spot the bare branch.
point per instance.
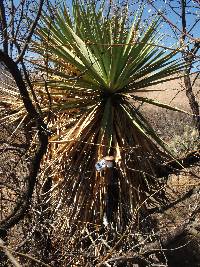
(171, 23)
(175, 166)
(9, 255)
(3, 25)
(34, 24)
(23, 202)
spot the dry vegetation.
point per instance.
(150, 245)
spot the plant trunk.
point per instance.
(192, 100)
(189, 57)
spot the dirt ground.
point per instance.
(170, 124)
(173, 93)
(174, 126)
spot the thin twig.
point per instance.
(3, 25)
(34, 24)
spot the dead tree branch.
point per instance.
(3, 27)
(189, 56)
(34, 24)
(24, 201)
(175, 166)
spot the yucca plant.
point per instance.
(97, 62)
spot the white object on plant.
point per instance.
(105, 162)
(100, 165)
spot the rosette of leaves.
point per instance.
(97, 62)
